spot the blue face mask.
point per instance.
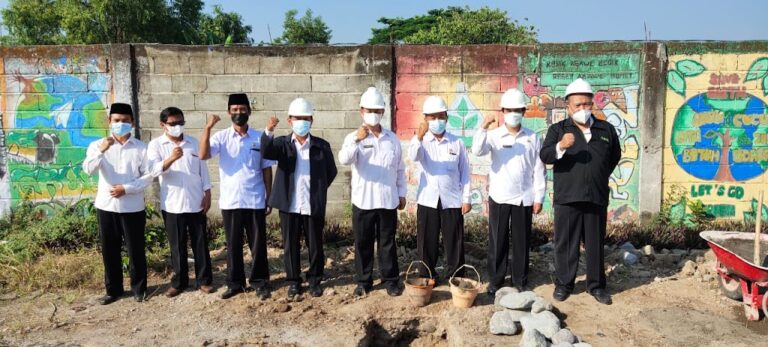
(120, 129)
(301, 127)
(437, 126)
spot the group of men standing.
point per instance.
(582, 149)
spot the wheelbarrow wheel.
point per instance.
(731, 288)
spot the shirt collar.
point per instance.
(429, 136)
(522, 132)
(295, 141)
(234, 133)
(165, 139)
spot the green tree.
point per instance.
(224, 27)
(456, 26)
(35, 22)
(395, 30)
(305, 30)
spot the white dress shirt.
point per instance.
(300, 202)
(124, 164)
(587, 136)
(378, 172)
(182, 186)
(240, 169)
(444, 170)
(517, 175)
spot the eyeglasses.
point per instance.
(173, 124)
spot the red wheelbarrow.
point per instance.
(740, 278)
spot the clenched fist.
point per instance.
(423, 127)
(567, 141)
(488, 121)
(212, 120)
(272, 123)
(176, 153)
(108, 142)
(362, 133)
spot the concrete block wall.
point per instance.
(199, 79)
(689, 114)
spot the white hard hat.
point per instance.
(579, 86)
(513, 98)
(300, 107)
(434, 104)
(372, 99)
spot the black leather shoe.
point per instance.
(561, 293)
(393, 289)
(602, 296)
(293, 290)
(263, 292)
(315, 290)
(231, 292)
(491, 290)
(108, 299)
(360, 291)
(140, 297)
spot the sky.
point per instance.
(556, 20)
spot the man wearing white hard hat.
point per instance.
(305, 170)
(245, 178)
(516, 187)
(378, 190)
(584, 151)
(443, 195)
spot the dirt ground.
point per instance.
(653, 306)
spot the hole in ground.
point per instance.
(395, 333)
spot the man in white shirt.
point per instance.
(121, 163)
(443, 195)
(517, 185)
(305, 170)
(245, 179)
(185, 197)
(378, 190)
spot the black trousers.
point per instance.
(573, 223)
(379, 226)
(114, 228)
(293, 226)
(180, 228)
(507, 222)
(431, 223)
(253, 224)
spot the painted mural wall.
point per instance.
(53, 105)
(473, 80)
(716, 123)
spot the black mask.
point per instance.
(240, 119)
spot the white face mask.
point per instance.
(371, 118)
(513, 119)
(175, 131)
(581, 116)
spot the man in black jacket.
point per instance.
(305, 169)
(584, 151)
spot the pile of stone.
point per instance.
(532, 315)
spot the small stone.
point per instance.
(545, 322)
(564, 336)
(533, 338)
(708, 278)
(516, 315)
(518, 301)
(547, 247)
(680, 252)
(689, 269)
(541, 304)
(502, 324)
(501, 293)
(648, 250)
(427, 328)
(628, 258)
(642, 274)
(329, 292)
(329, 262)
(628, 246)
(562, 344)
(282, 308)
(582, 344)
(665, 251)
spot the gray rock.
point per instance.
(547, 247)
(680, 252)
(502, 324)
(628, 246)
(582, 344)
(501, 293)
(648, 250)
(541, 304)
(664, 251)
(545, 322)
(518, 301)
(562, 344)
(517, 315)
(533, 338)
(629, 258)
(564, 336)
